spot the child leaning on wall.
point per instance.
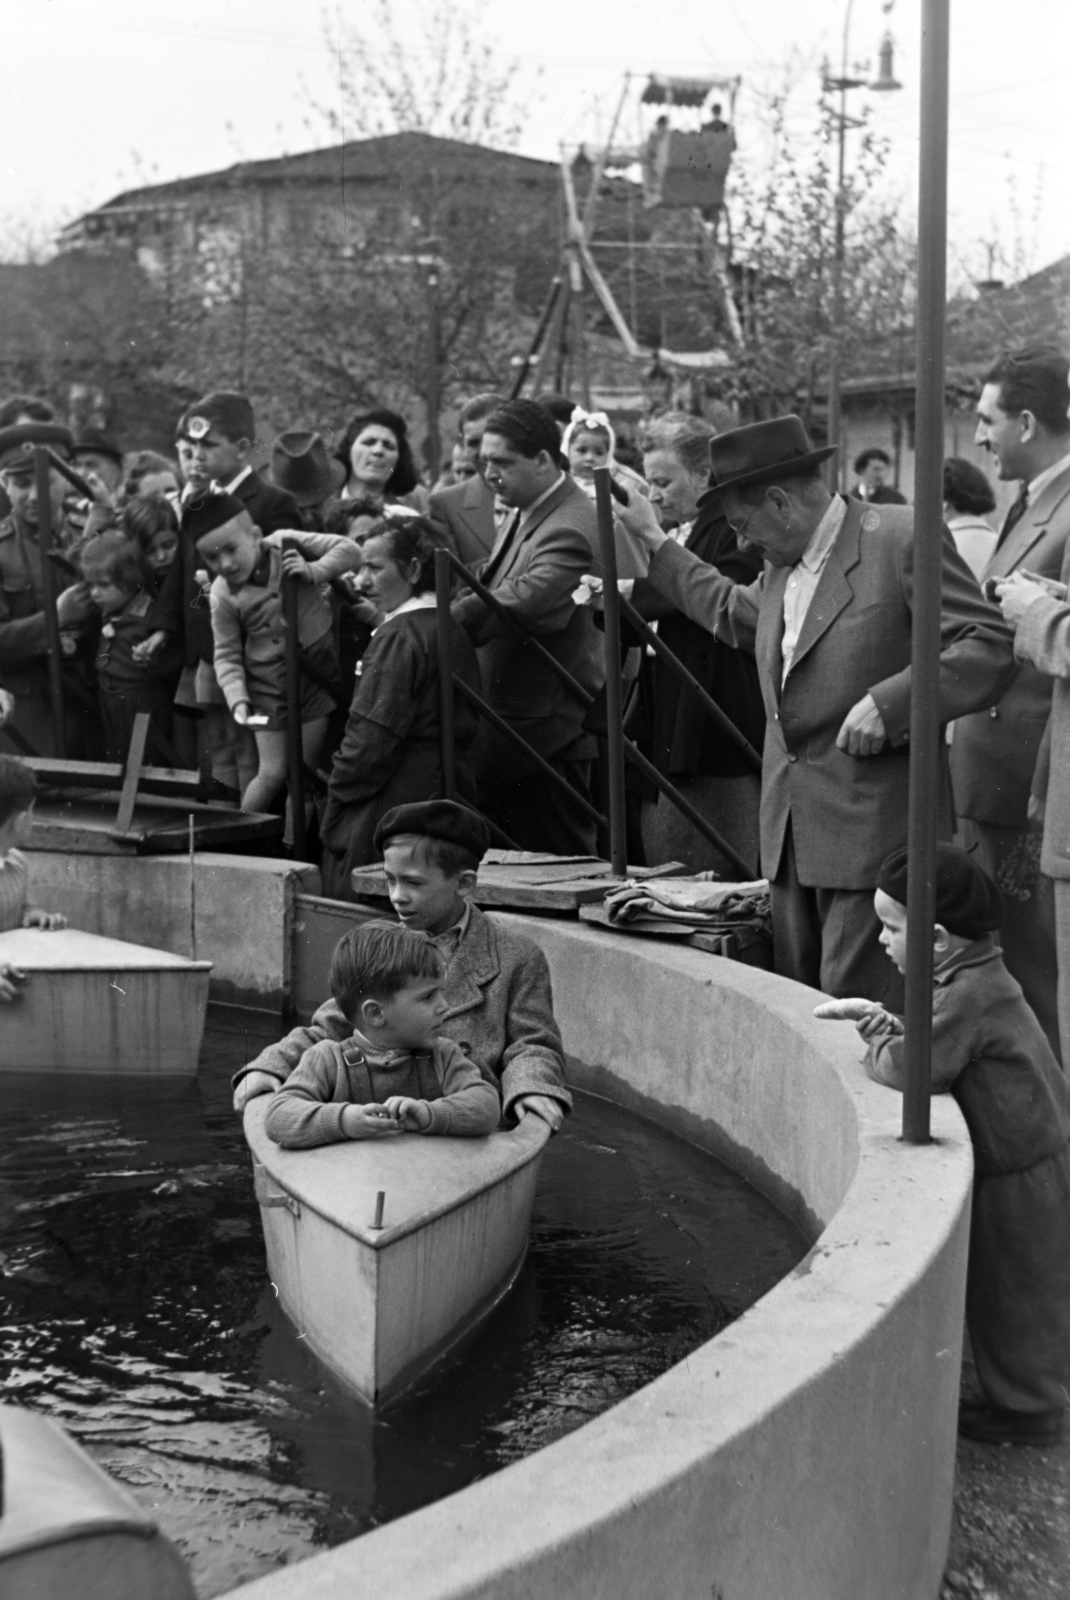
(989, 1051)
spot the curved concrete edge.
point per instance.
(809, 1449)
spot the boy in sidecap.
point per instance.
(989, 1050)
(499, 1005)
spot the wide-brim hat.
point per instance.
(762, 452)
(300, 464)
(17, 442)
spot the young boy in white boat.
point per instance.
(18, 789)
(499, 1004)
(395, 1073)
(989, 1050)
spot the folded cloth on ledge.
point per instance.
(688, 902)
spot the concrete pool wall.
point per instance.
(808, 1451)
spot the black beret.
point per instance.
(968, 902)
(17, 442)
(436, 819)
(208, 511)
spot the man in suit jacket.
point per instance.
(829, 622)
(535, 566)
(465, 512)
(1022, 422)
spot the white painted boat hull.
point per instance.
(379, 1307)
(92, 1004)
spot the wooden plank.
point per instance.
(84, 823)
(135, 760)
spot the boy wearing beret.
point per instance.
(989, 1050)
(499, 1005)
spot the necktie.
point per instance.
(1014, 516)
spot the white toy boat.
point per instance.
(380, 1305)
(91, 1004)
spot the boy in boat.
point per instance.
(989, 1049)
(499, 1005)
(18, 788)
(395, 1072)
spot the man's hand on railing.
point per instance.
(589, 592)
(641, 520)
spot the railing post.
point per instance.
(444, 625)
(928, 540)
(618, 850)
(48, 596)
(294, 745)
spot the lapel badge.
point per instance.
(871, 522)
(197, 428)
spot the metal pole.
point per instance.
(294, 747)
(537, 338)
(434, 386)
(618, 852)
(48, 595)
(444, 623)
(838, 254)
(928, 538)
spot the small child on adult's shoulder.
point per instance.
(18, 788)
(137, 663)
(395, 1073)
(250, 633)
(989, 1050)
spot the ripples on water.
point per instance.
(134, 1308)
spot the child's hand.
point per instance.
(879, 1023)
(367, 1122)
(415, 1115)
(869, 1017)
(34, 917)
(251, 1085)
(11, 981)
(242, 712)
(295, 566)
(148, 647)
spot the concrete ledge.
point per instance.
(244, 911)
(808, 1451)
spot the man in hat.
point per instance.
(301, 466)
(97, 452)
(829, 623)
(23, 636)
(871, 470)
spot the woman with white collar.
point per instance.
(391, 752)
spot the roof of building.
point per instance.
(1034, 311)
(357, 161)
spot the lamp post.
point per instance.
(882, 84)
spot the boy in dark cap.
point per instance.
(499, 1005)
(989, 1050)
(220, 431)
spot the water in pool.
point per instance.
(134, 1308)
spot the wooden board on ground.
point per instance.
(527, 881)
(379, 1306)
(83, 822)
(91, 1004)
(744, 943)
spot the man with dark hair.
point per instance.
(871, 470)
(560, 407)
(536, 564)
(1000, 761)
(829, 623)
(465, 511)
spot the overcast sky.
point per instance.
(102, 95)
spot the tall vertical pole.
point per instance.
(48, 596)
(618, 852)
(294, 743)
(928, 536)
(444, 626)
(434, 386)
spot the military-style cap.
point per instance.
(436, 819)
(208, 511)
(17, 442)
(231, 414)
(94, 441)
(967, 900)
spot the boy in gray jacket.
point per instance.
(499, 1004)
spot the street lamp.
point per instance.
(882, 84)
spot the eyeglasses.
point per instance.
(740, 528)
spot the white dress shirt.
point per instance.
(805, 576)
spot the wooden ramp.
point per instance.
(92, 1004)
(379, 1306)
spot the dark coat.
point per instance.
(683, 739)
(271, 509)
(391, 752)
(465, 513)
(534, 575)
(846, 812)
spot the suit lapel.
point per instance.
(1031, 527)
(833, 590)
(771, 626)
(500, 564)
(473, 966)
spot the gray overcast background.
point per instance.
(102, 95)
